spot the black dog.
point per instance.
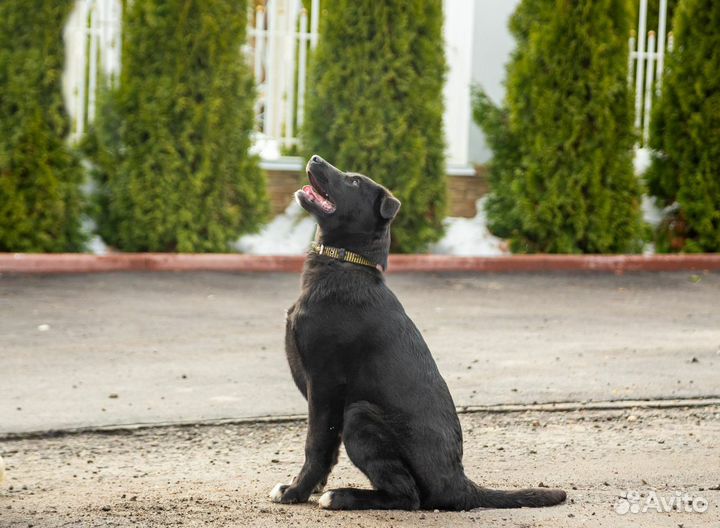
(366, 371)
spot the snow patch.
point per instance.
(289, 233)
(96, 245)
(642, 160)
(469, 237)
(652, 214)
(265, 147)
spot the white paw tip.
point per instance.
(277, 492)
(325, 500)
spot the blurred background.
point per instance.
(525, 126)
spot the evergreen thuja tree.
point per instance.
(500, 203)
(40, 176)
(374, 105)
(505, 166)
(569, 109)
(686, 132)
(171, 141)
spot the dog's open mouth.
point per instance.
(315, 194)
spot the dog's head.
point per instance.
(346, 204)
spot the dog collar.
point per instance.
(342, 255)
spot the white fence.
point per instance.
(280, 34)
(92, 52)
(646, 61)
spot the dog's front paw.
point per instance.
(286, 494)
(278, 491)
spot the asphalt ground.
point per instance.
(126, 348)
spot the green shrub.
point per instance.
(686, 132)
(40, 176)
(374, 105)
(571, 187)
(171, 141)
(500, 204)
(505, 166)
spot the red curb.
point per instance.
(223, 262)
(542, 263)
(83, 263)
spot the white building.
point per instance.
(491, 48)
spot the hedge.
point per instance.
(685, 133)
(374, 105)
(505, 165)
(40, 176)
(171, 141)
(570, 186)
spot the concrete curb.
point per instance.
(541, 263)
(84, 263)
(566, 406)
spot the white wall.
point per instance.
(458, 30)
(491, 48)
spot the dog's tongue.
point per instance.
(313, 194)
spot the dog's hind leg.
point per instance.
(372, 447)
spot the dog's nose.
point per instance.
(316, 159)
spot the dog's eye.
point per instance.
(355, 182)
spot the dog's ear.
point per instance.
(389, 206)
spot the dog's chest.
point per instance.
(327, 327)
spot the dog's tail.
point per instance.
(479, 497)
